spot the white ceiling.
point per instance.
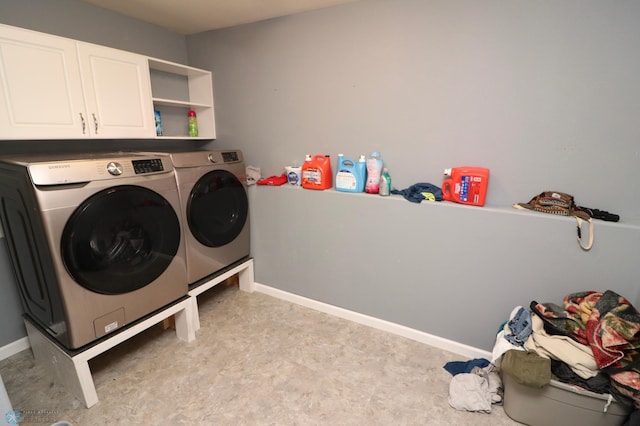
(194, 16)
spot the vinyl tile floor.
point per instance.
(257, 360)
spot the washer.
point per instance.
(95, 239)
(215, 210)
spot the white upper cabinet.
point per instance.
(40, 86)
(55, 88)
(117, 92)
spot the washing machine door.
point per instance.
(217, 208)
(120, 239)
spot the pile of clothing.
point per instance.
(592, 341)
(609, 326)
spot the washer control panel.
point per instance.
(94, 167)
(230, 157)
(114, 168)
(148, 166)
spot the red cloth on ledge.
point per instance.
(273, 180)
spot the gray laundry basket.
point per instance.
(560, 404)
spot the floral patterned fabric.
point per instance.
(608, 323)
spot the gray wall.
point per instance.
(80, 21)
(544, 93)
(451, 271)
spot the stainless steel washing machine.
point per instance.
(215, 210)
(95, 239)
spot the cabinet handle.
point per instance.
(95, 122)
(84, 124)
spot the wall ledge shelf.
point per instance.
(632, 223)
(185, 138)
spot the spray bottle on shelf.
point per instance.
(192, 123)
(374, 168)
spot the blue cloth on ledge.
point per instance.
(420, 191)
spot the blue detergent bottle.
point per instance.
(351, 175)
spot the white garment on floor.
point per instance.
(469, 392)
(494, 381)
(476, 391)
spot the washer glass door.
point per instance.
(120, 239)
(217, 208)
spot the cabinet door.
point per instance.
(117, 92)
(40, 87)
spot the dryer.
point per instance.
(215, 210)
(95, 239)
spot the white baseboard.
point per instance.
(14, 347)
(400, 330)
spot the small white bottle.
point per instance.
(385, 183)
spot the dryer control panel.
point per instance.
(187, 159)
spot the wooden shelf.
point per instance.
(171, 102)
(175, 90)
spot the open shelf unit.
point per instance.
(175, 89)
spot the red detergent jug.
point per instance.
(466, 185)
(316, 173)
